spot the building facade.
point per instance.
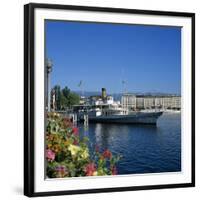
(138, 102)
(149, 102)
(128, 101)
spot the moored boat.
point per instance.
(137, 118)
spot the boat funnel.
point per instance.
(103, 93)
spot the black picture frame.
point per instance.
(29, 94)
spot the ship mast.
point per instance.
(80, 85)
(123, 81)
(124, 87)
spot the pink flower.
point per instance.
(75, 131)
(50, 155)
(90, 169)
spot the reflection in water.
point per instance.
(144, 149)
(109, 135)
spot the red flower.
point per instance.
(75, 131)
(90, 169)
(113, 170)
(107, 154)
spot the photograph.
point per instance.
(112, 99)
(108, 99)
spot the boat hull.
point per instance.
(138, 118)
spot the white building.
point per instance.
(140, 102)
(128, 101)
(167, 102)
(158, 102)
(149, 102)
(176, 102)
(133, 102)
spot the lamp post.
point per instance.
(49, 66)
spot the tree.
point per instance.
(63, 101)
(66, 91)
(73, 99)
(65, 98)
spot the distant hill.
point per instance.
(117, 96)
(87, 94)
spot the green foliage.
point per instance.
(67, 155)
(65, 91)
(73, 99)
(65, 98)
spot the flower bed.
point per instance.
(67, 154)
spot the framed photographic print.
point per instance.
(108, 99)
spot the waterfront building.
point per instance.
(158, 102)
(128, 101)
(176, 102)
(138, 102)
(149, 102)
(167, 102)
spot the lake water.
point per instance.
(144, 148)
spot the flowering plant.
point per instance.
(68, 155)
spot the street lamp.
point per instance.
(49, 65)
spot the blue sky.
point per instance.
(147, 58)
